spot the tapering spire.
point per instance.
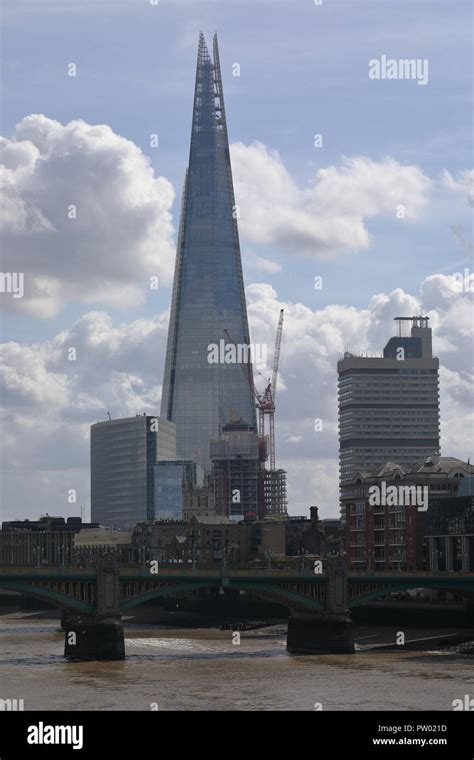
(203, 53)
(208, 292)
(208, 110)
(219, 93)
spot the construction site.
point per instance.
(243, 484)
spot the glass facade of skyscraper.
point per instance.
(171, 478)
(208, 302)
(123, 456)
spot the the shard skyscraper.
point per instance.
(208, 303)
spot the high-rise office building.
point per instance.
(389, 405)
(202, 391)
(124, 453)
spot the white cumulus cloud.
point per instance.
(122, 233)
(329, 215)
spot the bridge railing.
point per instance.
(141, 571)
(46, 571)
(217, 572)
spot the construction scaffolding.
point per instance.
(274, 491)
(235, 458)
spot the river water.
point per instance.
(201, 669)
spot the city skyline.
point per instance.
(120, 342)
(237, 368)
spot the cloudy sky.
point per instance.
(379, 206)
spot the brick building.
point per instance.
(206, 540)
(387, 533)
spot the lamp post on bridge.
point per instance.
(302, 554)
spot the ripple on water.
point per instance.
(194, 649)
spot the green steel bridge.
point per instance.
(78, 590)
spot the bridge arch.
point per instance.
(268, 592)
(162, 591)
(56, 598)
(285, 597)
(441, 585)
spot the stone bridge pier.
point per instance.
(328, 631)
(99, 636)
